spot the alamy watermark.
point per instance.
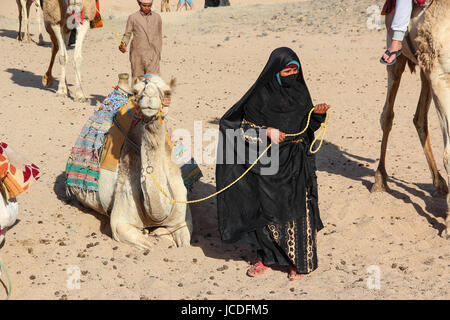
(75, 12)
(73, 282)
(374, 279)
(232, 146)
(374, 21)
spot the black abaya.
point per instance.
(284, 202)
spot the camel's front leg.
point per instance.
(440, 82)
(387, 117)
(63, 58)
(77, 61)
(21, 11)
(48, 79)
(421, 124)
(39, 21)
(27, 21)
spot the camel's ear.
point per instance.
(173, 83)
(139, 88)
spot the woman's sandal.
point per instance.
(257, 269)
(389, 54)
(293, 275)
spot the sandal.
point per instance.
(293, 275)
(257, 269)
(397, 54)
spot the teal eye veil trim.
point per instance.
(291, 62)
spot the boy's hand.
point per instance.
(321, 108)
(275, 135)
(123, 47)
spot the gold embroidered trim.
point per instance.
(309, 240)
(273, 231)
(291, 241)
(248, 138)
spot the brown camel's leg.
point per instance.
(19, 35)
(27, 27)
(48, 79)
(421, 124)
(394, 76)
(440, 82)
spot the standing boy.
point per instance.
(145, 50)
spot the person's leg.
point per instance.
(403, 9)
(191, 4)
(180, 5)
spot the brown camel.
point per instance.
(61, 17)
(428, 46)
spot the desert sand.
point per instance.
(216, 54)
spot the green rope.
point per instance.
(9, 280)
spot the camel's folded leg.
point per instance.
(387, 117)
(126, 225)
(440, 82)
(182, 235)
(421, 124)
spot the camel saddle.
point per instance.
(389, 5)
(124, 119)
(16, 174)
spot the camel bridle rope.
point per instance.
(324, 126)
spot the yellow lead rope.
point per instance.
(324, 128)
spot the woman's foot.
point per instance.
(293, 275)
(257, 269)
(395, 47)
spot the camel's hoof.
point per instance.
(446, 234)
(61, 94)
(81, 99)
(378, 187)
(441, 188)
(47, 81)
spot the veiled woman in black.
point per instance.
(275, 205)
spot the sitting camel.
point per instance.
(24, 18)
(61, 17)
(427, 44)
(130, 193)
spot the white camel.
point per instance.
(428, 46)
(60, 17)
(130, 193)
(24, 7)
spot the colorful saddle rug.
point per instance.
(16, 173)
(83, 166)
(389, 5)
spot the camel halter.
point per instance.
(324, 126)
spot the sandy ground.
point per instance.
(216, 54)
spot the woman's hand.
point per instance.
(275, 135)
(321, 108)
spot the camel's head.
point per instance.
(153, 96)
